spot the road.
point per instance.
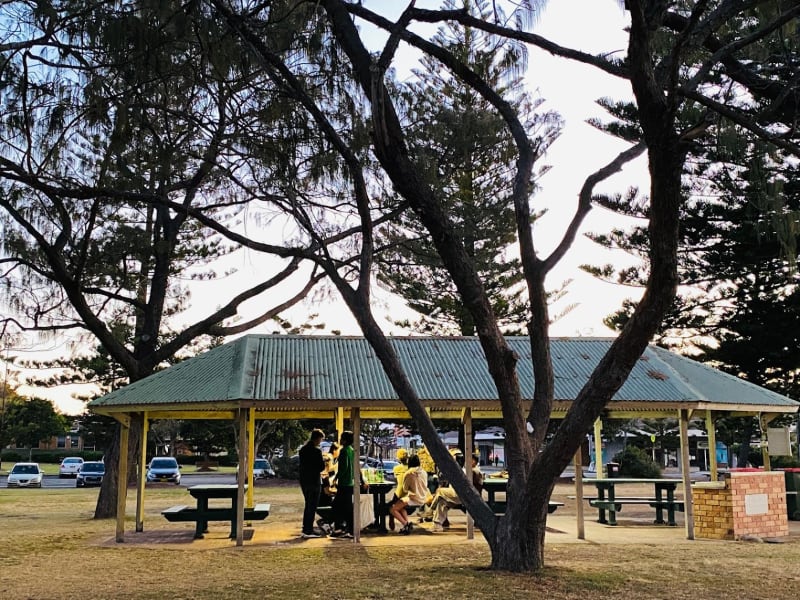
(54, 482)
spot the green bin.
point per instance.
(792, 492)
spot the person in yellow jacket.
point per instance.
(399, 471)
(426, 461)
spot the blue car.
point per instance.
(91, 473)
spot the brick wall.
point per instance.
(713, 513)
(748, 504)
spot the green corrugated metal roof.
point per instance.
(280, 368)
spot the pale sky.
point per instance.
(570, 89)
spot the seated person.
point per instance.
(412, 492)
(399, 471)
(446, 497)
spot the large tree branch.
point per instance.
(460, 16)
(585, 201)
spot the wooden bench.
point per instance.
(499, 508)
(182, 513)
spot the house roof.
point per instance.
(282, 372)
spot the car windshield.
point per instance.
(93, 468)
(25, 470)
(69, 461)
(163, 463)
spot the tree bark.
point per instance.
(106, 507)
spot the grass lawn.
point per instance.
(50, 547)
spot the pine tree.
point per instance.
(467, 156)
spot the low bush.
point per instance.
(634, 462)
(286, 468)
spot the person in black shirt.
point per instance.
(311, 467)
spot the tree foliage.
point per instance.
(32, 421)
(347, 163)
(467, 156)
(118, 119)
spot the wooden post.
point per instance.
(122, 474)
(598, 449)
(140, 472)
(579, 493)
(355, 417)
(251, 456)
(712, 446)
(338, 417)
(240, 477)
(467, 418)
(683, 417)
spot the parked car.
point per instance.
(163, 468)
(388, 469)
(369, 462)
(25, 475)
(91, 473)
(261, 469)
(70, 466)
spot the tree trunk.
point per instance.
(518, 541)
(106, 507)
(745, 434)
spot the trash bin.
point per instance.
(792, 491)
(612, 470)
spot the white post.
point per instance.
(598, 449)
(579, 493)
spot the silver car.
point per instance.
(25, 475)
(163, 468)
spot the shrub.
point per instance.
(634, 462)
(287, 468)
(12, 457)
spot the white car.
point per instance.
(261, 469)
(70, 466)
(25, 475)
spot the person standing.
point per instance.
(345, 480)
(311, 467)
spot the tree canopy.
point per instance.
(307, 80)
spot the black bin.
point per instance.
(612, 470)
(792, 491)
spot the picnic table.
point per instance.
(202, 513)
(379, 491)
(607, 499)
(493, 485)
